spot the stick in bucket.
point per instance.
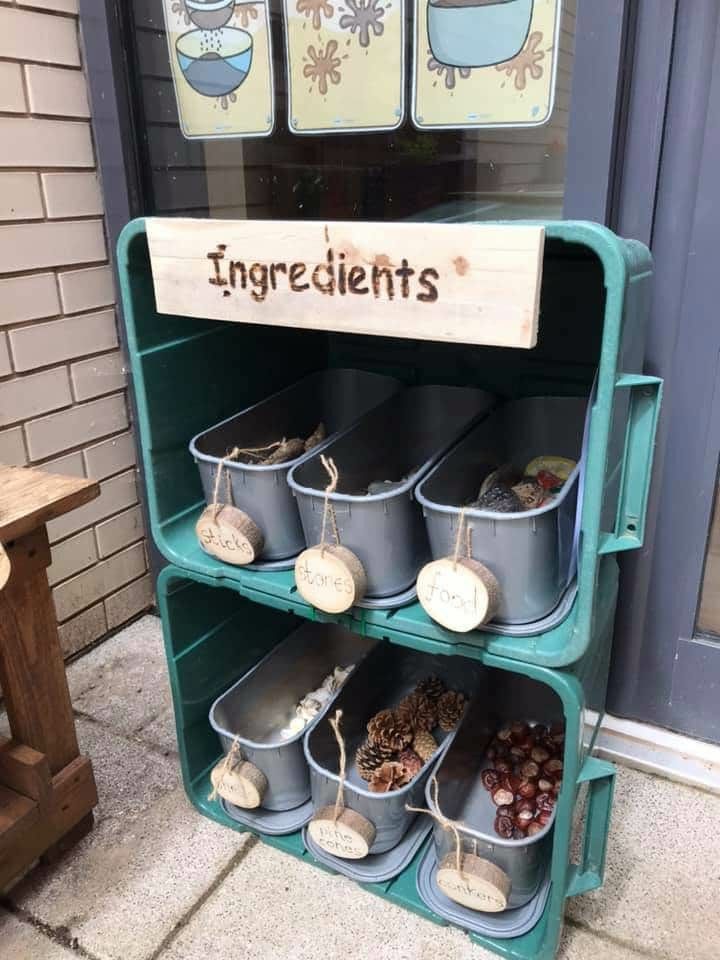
(337, 829)
(466, 878)
(459, 592)
(224, 530)
(330, 576)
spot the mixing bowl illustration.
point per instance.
(210, 14)
(477, 33)
(215, 62)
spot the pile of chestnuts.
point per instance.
(524, 777)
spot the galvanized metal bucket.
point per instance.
(530, 553)
(391, 447)
(337, 398)
(381, 681)
(464, 800)
(257, 708)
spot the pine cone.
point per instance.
(386, 729)
(412, 763)
(389, 776)
(419, 711)
(369, 757)
(424, 744)
(450, 710)
(432, 687)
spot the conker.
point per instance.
(523, 819)
(545, 785)
(519, 730)
(506, 810)
(503, 767)
(539, 754)
(504, 827)
(501, 796)
(553, 766)
(530, 770)
(556, 788)
(490, 779)
(527, 789)
(544, 817)
(518, 753)
(534, 827)
(524, 804)
(512, 782)
(504, 735)
(544, 801)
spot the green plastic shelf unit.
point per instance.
(189, 374)
(214, 633)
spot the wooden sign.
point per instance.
(480, 886)
(220, 54)
(485, 65)
(330, 578)
(350, 836)
(465, 283)
(345, 65)
(241, 783)
(229, 534)
(460, 594)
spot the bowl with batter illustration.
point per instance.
(215, 62)
(477, 33)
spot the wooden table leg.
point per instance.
(32, 672)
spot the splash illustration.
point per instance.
(450, 74)
(246, 12)
(315, 8)
(323, 66)
(526, 62)
(365, 15)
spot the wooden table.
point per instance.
(47, 790)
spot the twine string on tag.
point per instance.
(222, 465)
(232, 756)
(462, 525)
(444, 822)
(328, 508)
(340, 798)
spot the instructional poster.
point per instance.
(345, 65)
(484, 63)
(221, 62)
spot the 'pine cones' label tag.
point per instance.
(229, 534)
(481, 886)
(349, 837)
(459, 595)
(330, 578)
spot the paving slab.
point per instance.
(275, 907)
(123, 888)
(21, 941)
(123, 682)
(662, 879)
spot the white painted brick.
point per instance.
(41, 344)
(5, 365)
(30, 396)
(20, 197)
(56, 91)
(71, 556)
(81, 631)
(86, 289)
(110, 456)
(12, 95)
(28, 298)
(72, 427)
(116, 494)
(33, 142)
(116, 533)
(128, 602)
(25, 35)
(98, 375)
(12, 448)
(72, 194)
(104, 578)
(72, 465)
(28, 246)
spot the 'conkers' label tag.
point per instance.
(454, 594)
(326, 580)
(481, 885)
(242, 785)
(339, 839)
(225, 535)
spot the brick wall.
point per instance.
(62, 377)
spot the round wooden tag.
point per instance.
(460, 595)
(4, 566)
(331, 578)
(481, 886)
(231, 535)
(243, 784)
(349, 837)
